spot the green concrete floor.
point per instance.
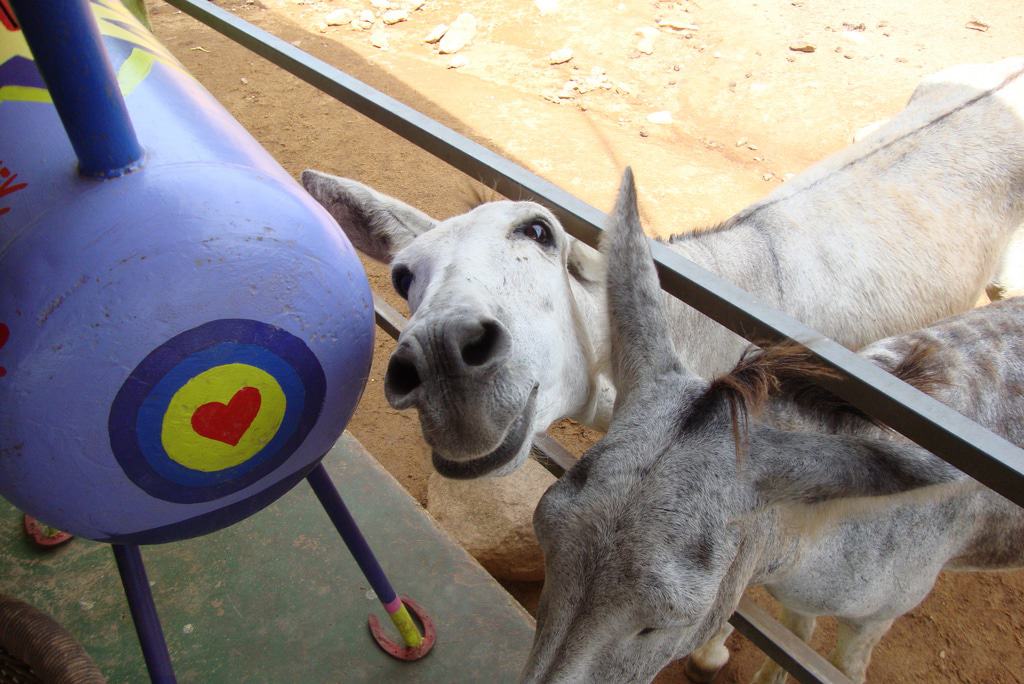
(277, 597)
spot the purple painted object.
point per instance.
(180, 345)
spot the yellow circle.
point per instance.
(218, 386)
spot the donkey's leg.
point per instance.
(704, 664)
(854, 643)
(799, 624)
(1009, 281)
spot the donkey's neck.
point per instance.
(744, 251)
(728, 250)
(593, 334)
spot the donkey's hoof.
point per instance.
(700, 675)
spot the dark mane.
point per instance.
(704, 230)
(790, 372)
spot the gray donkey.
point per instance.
(651, 539)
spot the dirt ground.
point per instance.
(745, 109)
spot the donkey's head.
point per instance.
(496, 348)
(650, 540)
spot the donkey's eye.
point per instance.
(538, 231)
(401, 279)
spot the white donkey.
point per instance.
(650, 540)
(508, 331)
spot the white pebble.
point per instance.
(458, 35)
(560, 56)
(436, 33)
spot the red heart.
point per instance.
(228, 422)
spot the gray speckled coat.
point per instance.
(651, 539)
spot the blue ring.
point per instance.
(136, 414)
(149, 425)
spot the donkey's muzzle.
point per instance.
(459, 348)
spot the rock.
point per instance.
(741, 142)
(767, 176)
(560, 56)
(436, 33)
(598, 79)
(321, 26)
(661, 118)
(976, 25)
(546, 7)
(646, 42)
(644, 133)
(364, 21)
(381, 4)
(379, 39)
(802, 47)
(415, 5)
(339, 17)
(395, 16)
(677, 24)
(459, 34)
(492, 518)
(458, 61)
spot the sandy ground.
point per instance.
(745, 110)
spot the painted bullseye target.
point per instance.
(214, 409)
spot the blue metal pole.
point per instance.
(70, 56)
(147, 622)
(346, 525)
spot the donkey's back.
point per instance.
(975, 364)
(936, 192)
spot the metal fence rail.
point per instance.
(978, 452)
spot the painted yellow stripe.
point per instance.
(15, 93)
(406, 627)
(134, 70)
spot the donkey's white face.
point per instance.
(486, 358)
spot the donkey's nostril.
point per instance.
(489, 344)
(402, 376)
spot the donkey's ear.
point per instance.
(811, 468)
(377, 225)
(641, 344)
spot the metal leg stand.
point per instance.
(416, 645)
(147, 623)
